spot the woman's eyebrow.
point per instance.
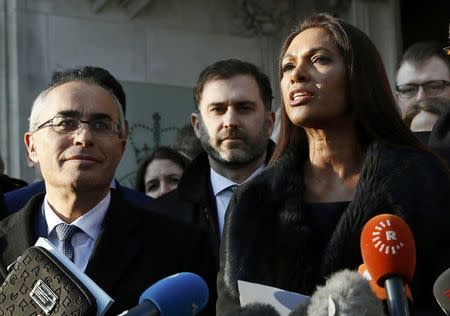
(310, 51)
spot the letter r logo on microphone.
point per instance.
(390, 235)
(385, 237)
(388, 248)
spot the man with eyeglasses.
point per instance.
(16, 199)
(78, 135)
(423, 72)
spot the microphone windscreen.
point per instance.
(380, 292)
(388, 248)
(441, 291)
(301, 310)
(346, 293)
(181, 294)
(255, 309)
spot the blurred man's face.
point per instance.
(418, 82)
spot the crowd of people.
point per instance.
(234, 205)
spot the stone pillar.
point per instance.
(9, 87)
(380, 20)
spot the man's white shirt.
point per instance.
(220, 184)
(89, 225)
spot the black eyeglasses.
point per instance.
(68, 125)
(432, 88)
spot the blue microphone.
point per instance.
(182, 294)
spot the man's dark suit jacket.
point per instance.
(135, 249)
(193, 201)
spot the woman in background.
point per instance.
(343, 156)
(160, 172)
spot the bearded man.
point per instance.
(233, 121)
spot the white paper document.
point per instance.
(102, 299)
(283, 301)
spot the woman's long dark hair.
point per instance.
(370, 98)
(161, 152)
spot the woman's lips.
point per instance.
(300, 97)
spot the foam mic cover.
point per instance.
(379, 291)
(182, 294)
(388, 248)
(346, 293)
(441, 291)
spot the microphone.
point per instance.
(182, 294)
(379, 291)
(441, 291)
(346, 293)
(389, 253)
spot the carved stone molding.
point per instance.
(260, 17)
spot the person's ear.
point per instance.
(196, 121)
(126, 129)
(124, 137)
(270, 122)
(31, 146)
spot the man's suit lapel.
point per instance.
(17, 232)
(107, 262)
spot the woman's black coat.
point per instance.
(266, 239)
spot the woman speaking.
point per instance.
(343, 156)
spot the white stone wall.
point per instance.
(380, 20)
(168, 43)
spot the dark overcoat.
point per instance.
(267, 239)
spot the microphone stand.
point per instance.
(396, 296)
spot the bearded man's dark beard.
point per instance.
(233, 162)
(252, 152)
(236, 160)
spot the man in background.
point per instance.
(423, 72)
(233, 120)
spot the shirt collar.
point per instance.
(220, 183)
(89, 223)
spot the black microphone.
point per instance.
(441, 291)
(346, 293)
(182, 294)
